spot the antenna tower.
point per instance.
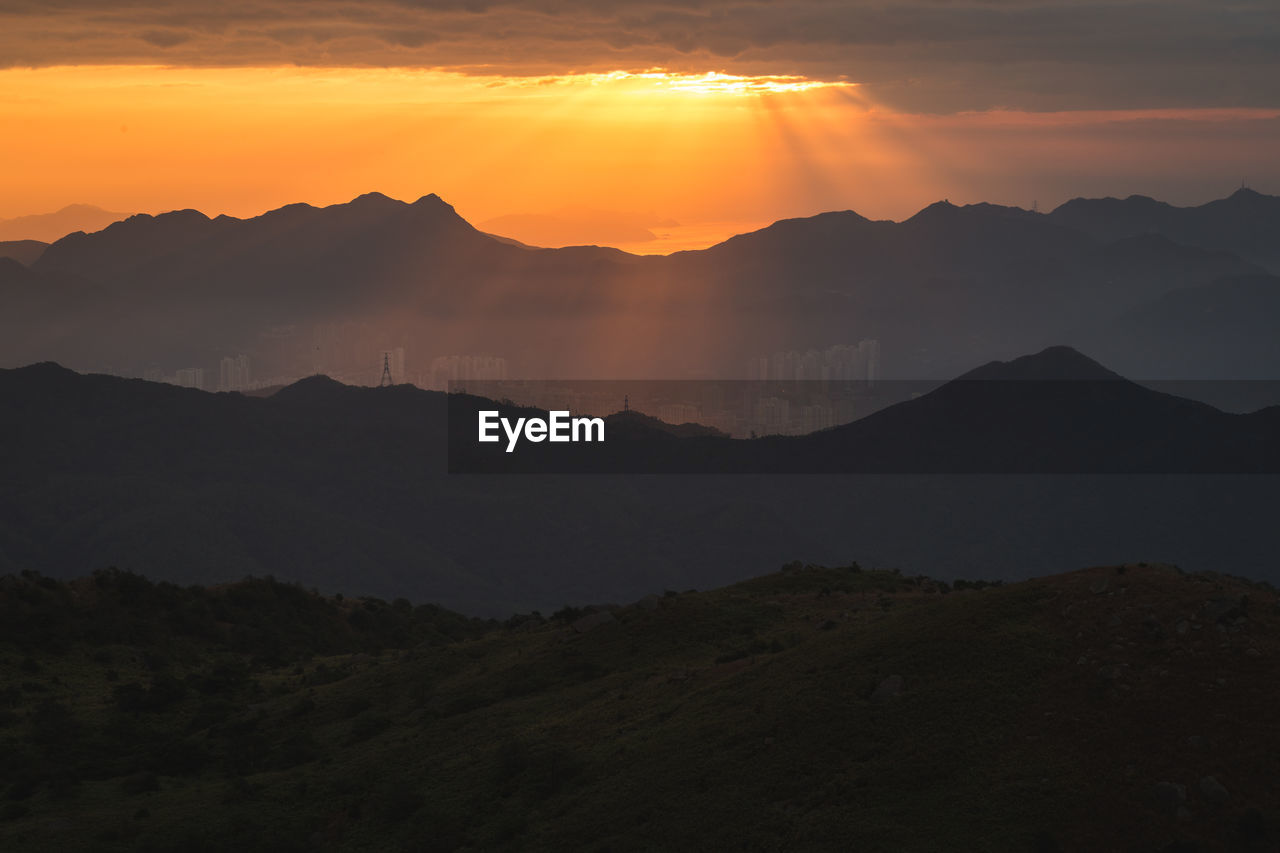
(385, 381)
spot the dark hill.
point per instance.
(346, 488)
(337, 487)
(25, 252)
(1125, 707)
(1054, 412)
(1055, 364)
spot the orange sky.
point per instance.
(731, 151)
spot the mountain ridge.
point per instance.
(948, 288)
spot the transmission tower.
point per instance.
(385, 381)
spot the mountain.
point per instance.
(47, 227)
(1053, 412)
(1246, 223)
(1223, 328)
(25, 252)
(349, 489)
(1123, 707)
(181, 288)
(304, 289)
(336, 487)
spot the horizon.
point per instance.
(658, 246)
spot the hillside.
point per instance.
(1115, 708)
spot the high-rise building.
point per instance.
(464, 368)
(871, 348)
(840, 363)
(234, 374)
(772, 415)
(679, 413)
(190, 377)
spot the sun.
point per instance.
(720, 83)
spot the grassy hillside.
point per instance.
(812, 709)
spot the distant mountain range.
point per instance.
(47, 227)
(346, 489)
(947, 288)
(1244, 223)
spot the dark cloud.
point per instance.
(165, 38)
(935, 55)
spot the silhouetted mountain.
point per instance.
(1055, 364)
(48, 227)
(1247, 223)
(347, 488)
(184, 288)
(949, 287)
(25, 252)
(334, 486)
(297, 237)
(1054, 412)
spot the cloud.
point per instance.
(165, 38)
(925, 55)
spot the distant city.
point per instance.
(843, 362)
(347, 352)
(788, 392)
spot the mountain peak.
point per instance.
(45, 369)
(310, 386)
(375, 199)
(946, 211)
(1056, 363)
(938, 208)
(432, 203)
(1249, 202)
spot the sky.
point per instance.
(704, 118)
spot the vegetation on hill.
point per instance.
(1123, 708)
